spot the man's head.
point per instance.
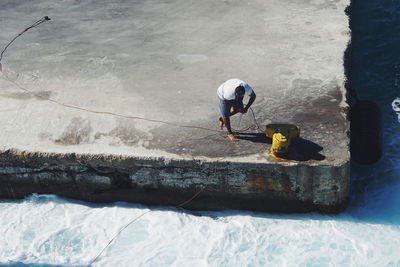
(239, 92)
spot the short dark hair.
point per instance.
(239, 91)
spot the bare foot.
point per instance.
(221, 123)
(232, 137)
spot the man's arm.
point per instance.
(251, 101)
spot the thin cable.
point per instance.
(37, 23)
(141, 215)
(240, 119)
(121, 115)
(105, 112)
(255, 120)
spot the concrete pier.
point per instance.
(75, 91)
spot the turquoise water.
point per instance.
(51, 231)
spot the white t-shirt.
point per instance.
(227, 89)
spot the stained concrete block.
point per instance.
(91, 102)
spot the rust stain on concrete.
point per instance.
(259, 183)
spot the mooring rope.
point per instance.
(126, 116)
(103, 112)
(141, 215)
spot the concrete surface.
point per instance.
(164, 60)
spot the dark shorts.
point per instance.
(225, 106)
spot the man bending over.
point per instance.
(230, 95)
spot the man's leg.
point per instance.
(227, 123)
(236, 106)
(225, 108)
(221, 122)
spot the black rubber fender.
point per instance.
(365, 132)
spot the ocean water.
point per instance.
(47, 230)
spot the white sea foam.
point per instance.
(396, 107)
(50, 230)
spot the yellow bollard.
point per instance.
(282, 136)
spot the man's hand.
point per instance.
(244, 110)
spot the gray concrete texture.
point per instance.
(164, 60)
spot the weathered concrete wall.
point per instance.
(156, 181)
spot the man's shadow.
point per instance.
(301, 149)
(254, 137)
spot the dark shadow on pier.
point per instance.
(304, 150)
(301, 149)
(254, 137)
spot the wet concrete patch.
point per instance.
(125, 133)
(213, 143)
(252, 141)
(320, 120)
(77, 132)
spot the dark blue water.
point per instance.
(375, 75)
